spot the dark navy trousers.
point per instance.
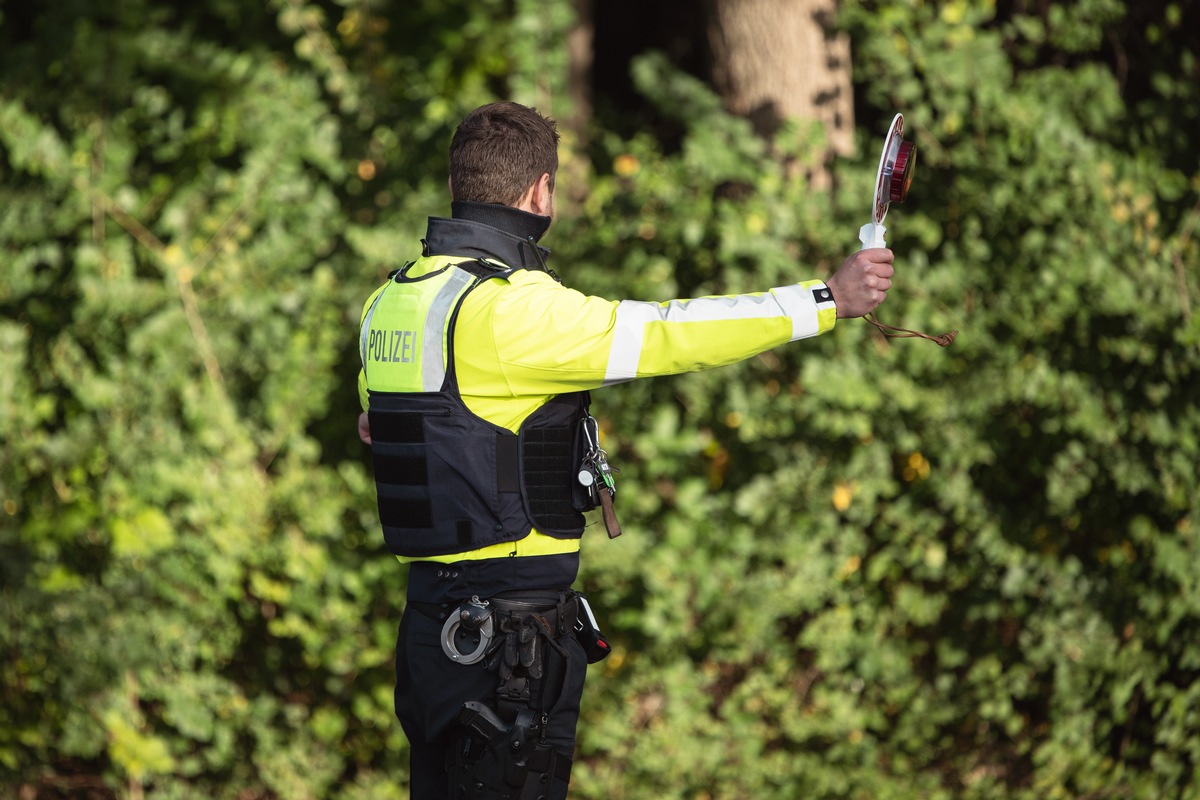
(430, 690)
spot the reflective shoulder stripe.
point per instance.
(365, 328)
(433, 357)
(433, 297)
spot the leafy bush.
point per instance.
(853, 568)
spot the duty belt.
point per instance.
(475, 622)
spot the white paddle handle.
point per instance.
(871, 235)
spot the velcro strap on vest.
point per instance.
(508, 463)
(548, 472)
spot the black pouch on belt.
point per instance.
(587, 631)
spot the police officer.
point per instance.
(477, 367)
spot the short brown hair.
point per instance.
(499, 150)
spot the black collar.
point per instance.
(488, 230)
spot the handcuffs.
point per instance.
(474, 615)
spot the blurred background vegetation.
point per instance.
(853, 568)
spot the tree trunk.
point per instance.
(780, 59)
(576, 124)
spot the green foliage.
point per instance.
(188, 603)
(853, 567)
(885, 570)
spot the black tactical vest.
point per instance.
(450, 482)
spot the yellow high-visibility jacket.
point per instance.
(523, 338)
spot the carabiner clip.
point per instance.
(591, 432)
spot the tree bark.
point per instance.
(781, 59)
(580, 55)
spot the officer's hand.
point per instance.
(861, 283)
(364, 427)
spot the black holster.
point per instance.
(494, 761)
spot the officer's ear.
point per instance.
(538, 198)
(541, 196)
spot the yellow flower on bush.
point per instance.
(626, 165)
